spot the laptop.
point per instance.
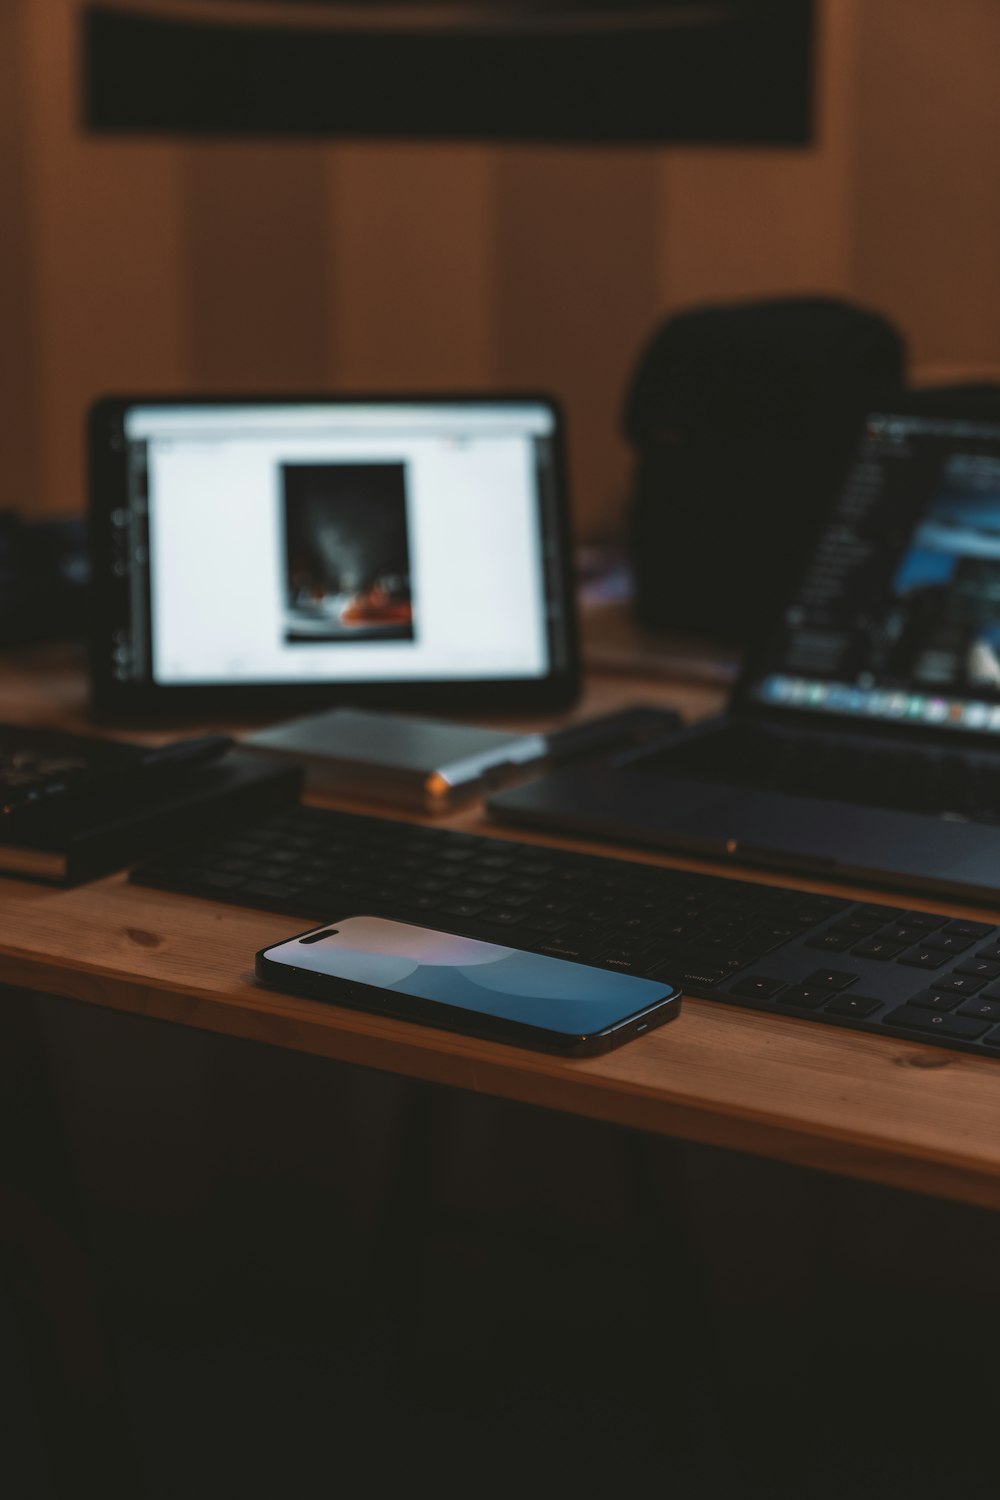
(862, 739)
(262, 555)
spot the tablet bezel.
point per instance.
(113, 700)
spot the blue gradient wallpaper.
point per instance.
(540, 991)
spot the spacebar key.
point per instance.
(956, 1027)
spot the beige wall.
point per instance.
(170, 266)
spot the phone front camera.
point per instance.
(316, 937)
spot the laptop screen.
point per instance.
(341, 542)
(897, 616)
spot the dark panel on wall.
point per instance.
(701, 71)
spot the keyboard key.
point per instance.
(222, 880)
(853, 1005)
(947, 942)
(984, 968)
(805, 996)
(264, 888)
(567, 948)
(958, 1028)
(958, 984)
(802, 918)
(624, 960)
(934, 1000)
(757, 986)
(971, 930)
(831, 942)
(985, 1010)
(829, 904)
(838, 929)
(726, 959)
(244, 846)
(689, 971)
(903, 933)
(924, 920)
(551, 924)
(879, 948)
(923, 958)
(831, 979)
(862, 925)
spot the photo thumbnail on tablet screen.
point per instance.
(347, 552)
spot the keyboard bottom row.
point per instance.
(873, 967)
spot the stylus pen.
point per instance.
(521, 753)
(624, 726)
(163, 762)
(184, 752)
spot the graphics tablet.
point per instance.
(262, 555)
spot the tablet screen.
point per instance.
(368, 544)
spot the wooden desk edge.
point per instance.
(519, 1075)
(931, 1114)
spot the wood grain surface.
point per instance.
(892, 1111)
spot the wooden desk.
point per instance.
(895, 1112)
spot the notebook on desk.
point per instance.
(862, 740)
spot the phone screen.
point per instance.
(526, 989)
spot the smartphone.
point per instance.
(418, 973)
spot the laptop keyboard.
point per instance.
(962, 784)
(865, 965)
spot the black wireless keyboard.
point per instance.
(865, 965)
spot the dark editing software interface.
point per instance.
(897, 616)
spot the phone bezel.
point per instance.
(332, 990)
